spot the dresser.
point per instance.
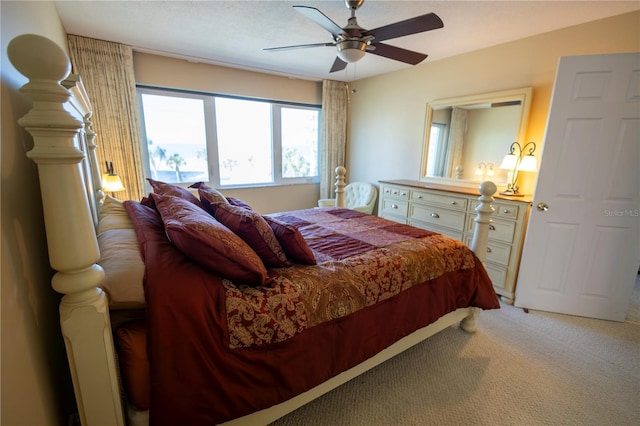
(450, 210)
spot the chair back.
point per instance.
(360, 196)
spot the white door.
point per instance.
(582, 249)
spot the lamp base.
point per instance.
(511, 193)
(512, 190)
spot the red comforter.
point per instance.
(219, 351)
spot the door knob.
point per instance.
(543, 207)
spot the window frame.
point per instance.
(211, 135)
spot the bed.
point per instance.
(229, 316)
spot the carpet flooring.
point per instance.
(520, 368)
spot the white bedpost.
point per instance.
(95, 170)
(73, 83)
(483, 220)
(340, 178)
(73, 248)
(480, 240)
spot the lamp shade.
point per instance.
(509, 162)
(351, 50)
(490, 170)
(111, 183)
(528, 164)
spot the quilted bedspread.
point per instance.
(362, 260)
(218, 351)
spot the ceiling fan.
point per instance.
(353, 41)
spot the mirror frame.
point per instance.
(521, 94)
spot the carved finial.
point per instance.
(45, 64)
(487, 188)
(38, 58)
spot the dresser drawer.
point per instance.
(399, 219)
(438, 216)
(456, 235)
(394, 207)
(498, 276)
(392, 191)
(443, 200)
(501, 210)
(496, 252)
(507, 210)
(499, 230)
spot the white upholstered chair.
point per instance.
(360, 196)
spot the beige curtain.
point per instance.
(106, 69)
(456, 140)
(334, 133)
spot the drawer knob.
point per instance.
(492, 228)
(453, 203)
(403, 193)
(435, 215)
(488, 249)
(506, 211)
(394, 206)
(420, 197)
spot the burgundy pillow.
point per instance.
(147, 223)
(237, 202)
(163, 188)
(212, 194)
(292, 242)
(148, 201)
(254, 230)
(132, 355)
(208, 242)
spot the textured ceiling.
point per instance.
(234, 33)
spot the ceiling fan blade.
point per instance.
(398, 53)
(321, 19)
(297, 46)
(338, 65)
(419, 24)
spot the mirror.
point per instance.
(466, 138)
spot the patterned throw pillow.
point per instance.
(208, 242)
(292, 242)
(254, 230)
(239, 203)
(211, 194)
(163, 188)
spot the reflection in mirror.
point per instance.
(467, 137)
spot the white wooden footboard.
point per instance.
(70, 185)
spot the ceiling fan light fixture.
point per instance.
(351, 50)
(352, 41)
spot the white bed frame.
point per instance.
(64, 151)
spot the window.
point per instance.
(227, 141)
(437, 150)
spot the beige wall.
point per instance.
(35, 381)
(388, 112)
(160, 71)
